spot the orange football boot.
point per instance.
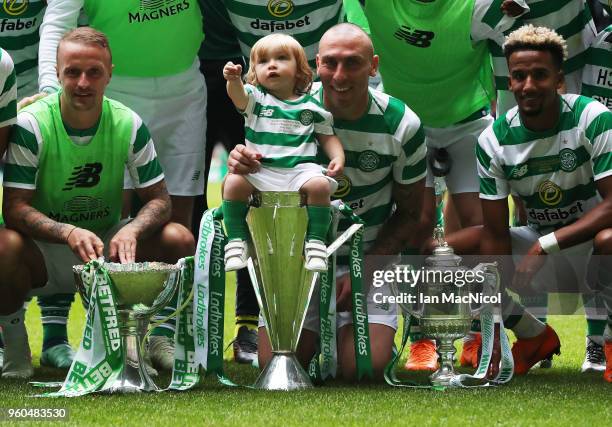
(470, 355)
(608, 352)
(529, 351)
(423, 356)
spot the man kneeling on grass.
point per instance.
(63, 184)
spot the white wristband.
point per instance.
(549, 243)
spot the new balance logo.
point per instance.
(87, 175)
(418, 38)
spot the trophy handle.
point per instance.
(490, 286)
(415, 309)
(342, 238)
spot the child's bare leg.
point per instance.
(316, 191)
(319, 215)
(237, 188)
(236, 192)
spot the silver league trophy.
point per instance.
(142, 289)
(444, 309)
(277, 222)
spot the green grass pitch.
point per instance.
(557, 396)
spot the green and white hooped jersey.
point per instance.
(79, 180)
(570, 18)
(553, 172)
(597, 74)
(306, 20)
(284, 131)
(384, 146)
(8, 96)
(19, 25)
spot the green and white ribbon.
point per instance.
(325, 362)
(209, 294)
(361, 331)
(489, 318)
(98, 361)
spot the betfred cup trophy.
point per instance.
(445, 308)
(142, 289)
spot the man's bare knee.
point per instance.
(172, 242)
(179, 238)
(602, 242)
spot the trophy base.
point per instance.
(284, 372)
(131, 382)
(442, 379)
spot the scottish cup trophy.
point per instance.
(142, 289)
(445, 306)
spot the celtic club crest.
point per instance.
(368, 161)
(306, 117)
(568, 160)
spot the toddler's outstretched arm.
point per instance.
(235, 89)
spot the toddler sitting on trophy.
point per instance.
(283, 123)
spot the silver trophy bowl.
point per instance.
(142, 289)
(441, 318)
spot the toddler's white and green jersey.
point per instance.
(385, 146)
(8, 96)
(570, 18)
(284, 131)
(77, 177)
(553, 172)
(306, 20)
(597, 74)
(19, 25)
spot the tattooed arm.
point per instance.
(20, 215)
(392, 238)
(395, 233)
(152, 217)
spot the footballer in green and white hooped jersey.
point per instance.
(19, 25)
(597, 73)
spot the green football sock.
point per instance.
(595, 311)
(234, 217)
(54, 311)
(319, 218)
(596, 327)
